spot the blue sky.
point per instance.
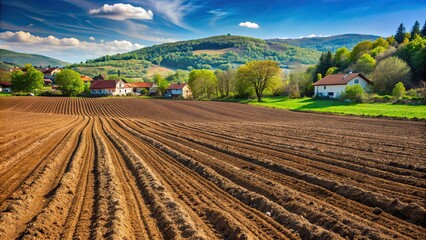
(76, 30)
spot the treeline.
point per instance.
(180, 55)
(386, 61)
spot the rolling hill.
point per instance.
(217, 52)
(208, 53)
(331, 43)
(21, 59)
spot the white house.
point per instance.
(178, 90)
(110, 87)
(150, 87)
(334, 85)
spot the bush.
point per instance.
(399, 90)
(354, 93)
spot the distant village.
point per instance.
(100, 86)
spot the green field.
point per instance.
(339, 107)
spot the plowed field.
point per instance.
(74, 168)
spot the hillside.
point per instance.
(212, 52)
(327, 43)
(21, 59)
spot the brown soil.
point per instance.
(126, 168)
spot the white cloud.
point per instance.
(68, 49)
(30, 25)
(121, 11)
(91, 38)
(248, 25)
(217, 15)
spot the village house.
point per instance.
(51, 71)
(144, 87)
(110, 87)
(5, 87)
(178, 90)
(99, 77)
(86, 79)
(334, 85)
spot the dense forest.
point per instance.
(331, 43)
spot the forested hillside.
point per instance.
(331, 43)
(207, 53)
(21, 59)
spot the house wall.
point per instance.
(187, 93)
(337, 90)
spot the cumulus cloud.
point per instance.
(248, 25)
(121, 11)
(91, 38)
(68, 49)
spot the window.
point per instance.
(330, 93)
(325, 87)
(356, 81)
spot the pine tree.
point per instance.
(415, 30)
(423, 32)
(400, 34)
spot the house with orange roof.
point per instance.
(144, 87)
(86, 79)
(332, 86)
(178, 90)
(110, 87)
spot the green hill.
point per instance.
(213, 52)
(21, 59)
(331, 43)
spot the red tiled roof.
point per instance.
(340, 79)
(100, 77)
(176, 86)
(5, 84)
(141, 84)
(106, 84)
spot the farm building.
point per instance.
(110, 87)
(86, 79)
(99, 77)
(144, 87)
(51, 71)
(334, 85)
(178, 90)
(5, 87)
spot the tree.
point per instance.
(203, 83)
(423, 32)
(380, 42)
(162, 83)
(331, 70)
(355, 93)
(28, 81)
(225, 81)
(119, 73)
(388, 72)
(360, 49)
(400, 34)
(87, 88)
(415, 30)
(260, 75)
(399, 90)
(365, 64)
(324, 63)
(341, 58)
(300, 84)
(69, 82)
